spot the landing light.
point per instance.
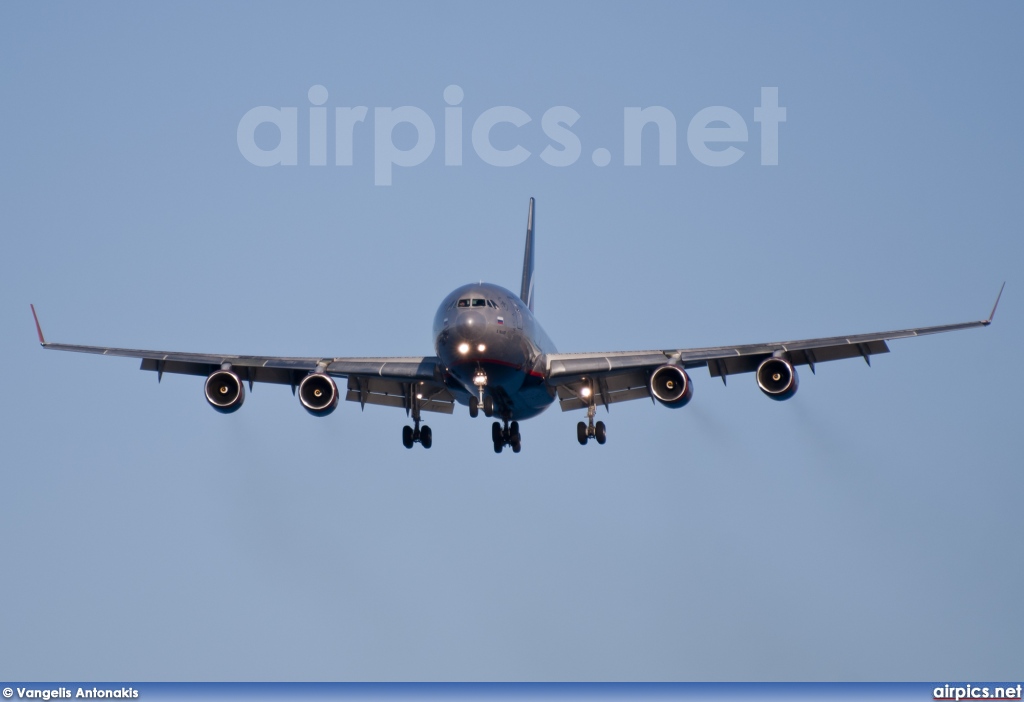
(585, 392)
(481, 348)
(463, 348)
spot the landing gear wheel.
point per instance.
(427, 437)
(599, 433)
(407, 436)
(474, 407)
(496, 433)
(488, 406)
(517, 443)
(498, 444)
(581, 433)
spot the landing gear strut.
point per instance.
(481, 400)
(415, 433)
(507, 435)
(585, 430)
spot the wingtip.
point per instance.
(39, 329)
(993, 313)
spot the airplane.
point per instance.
(491, 354)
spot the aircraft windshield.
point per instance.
(477, 302)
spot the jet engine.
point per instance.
(224, 391)
(777, 378)
(318, 394)
(670, 385)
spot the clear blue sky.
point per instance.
(869, 528)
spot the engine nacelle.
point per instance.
(777, 378)
(670, 385)
(224, 391)
(318, 394)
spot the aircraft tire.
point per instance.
(600, 433)
(474, 407)
(407, 436)
(496, 432)
(426, 437)
(581, 433)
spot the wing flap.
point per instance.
(748, 363)
(606, 389)
(178, 367)
(422, 368)
(563, 367)
(251, 373)
(370, 390)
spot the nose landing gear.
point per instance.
(481, 400)
(504, 433)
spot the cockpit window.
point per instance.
(464, 302)
(477, 302)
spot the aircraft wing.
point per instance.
(379, 381)
(623, 375)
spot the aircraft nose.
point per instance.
(470, 326)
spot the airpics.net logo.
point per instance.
(712, 134)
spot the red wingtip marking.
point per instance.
(39, 329)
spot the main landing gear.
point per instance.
(507, 435)
(421, 435)
(585, 430)
(415, 433)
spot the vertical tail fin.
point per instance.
(526, 293)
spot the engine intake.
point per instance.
(318, 394)
(670, 385)
(777, 378)
(224, 391)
